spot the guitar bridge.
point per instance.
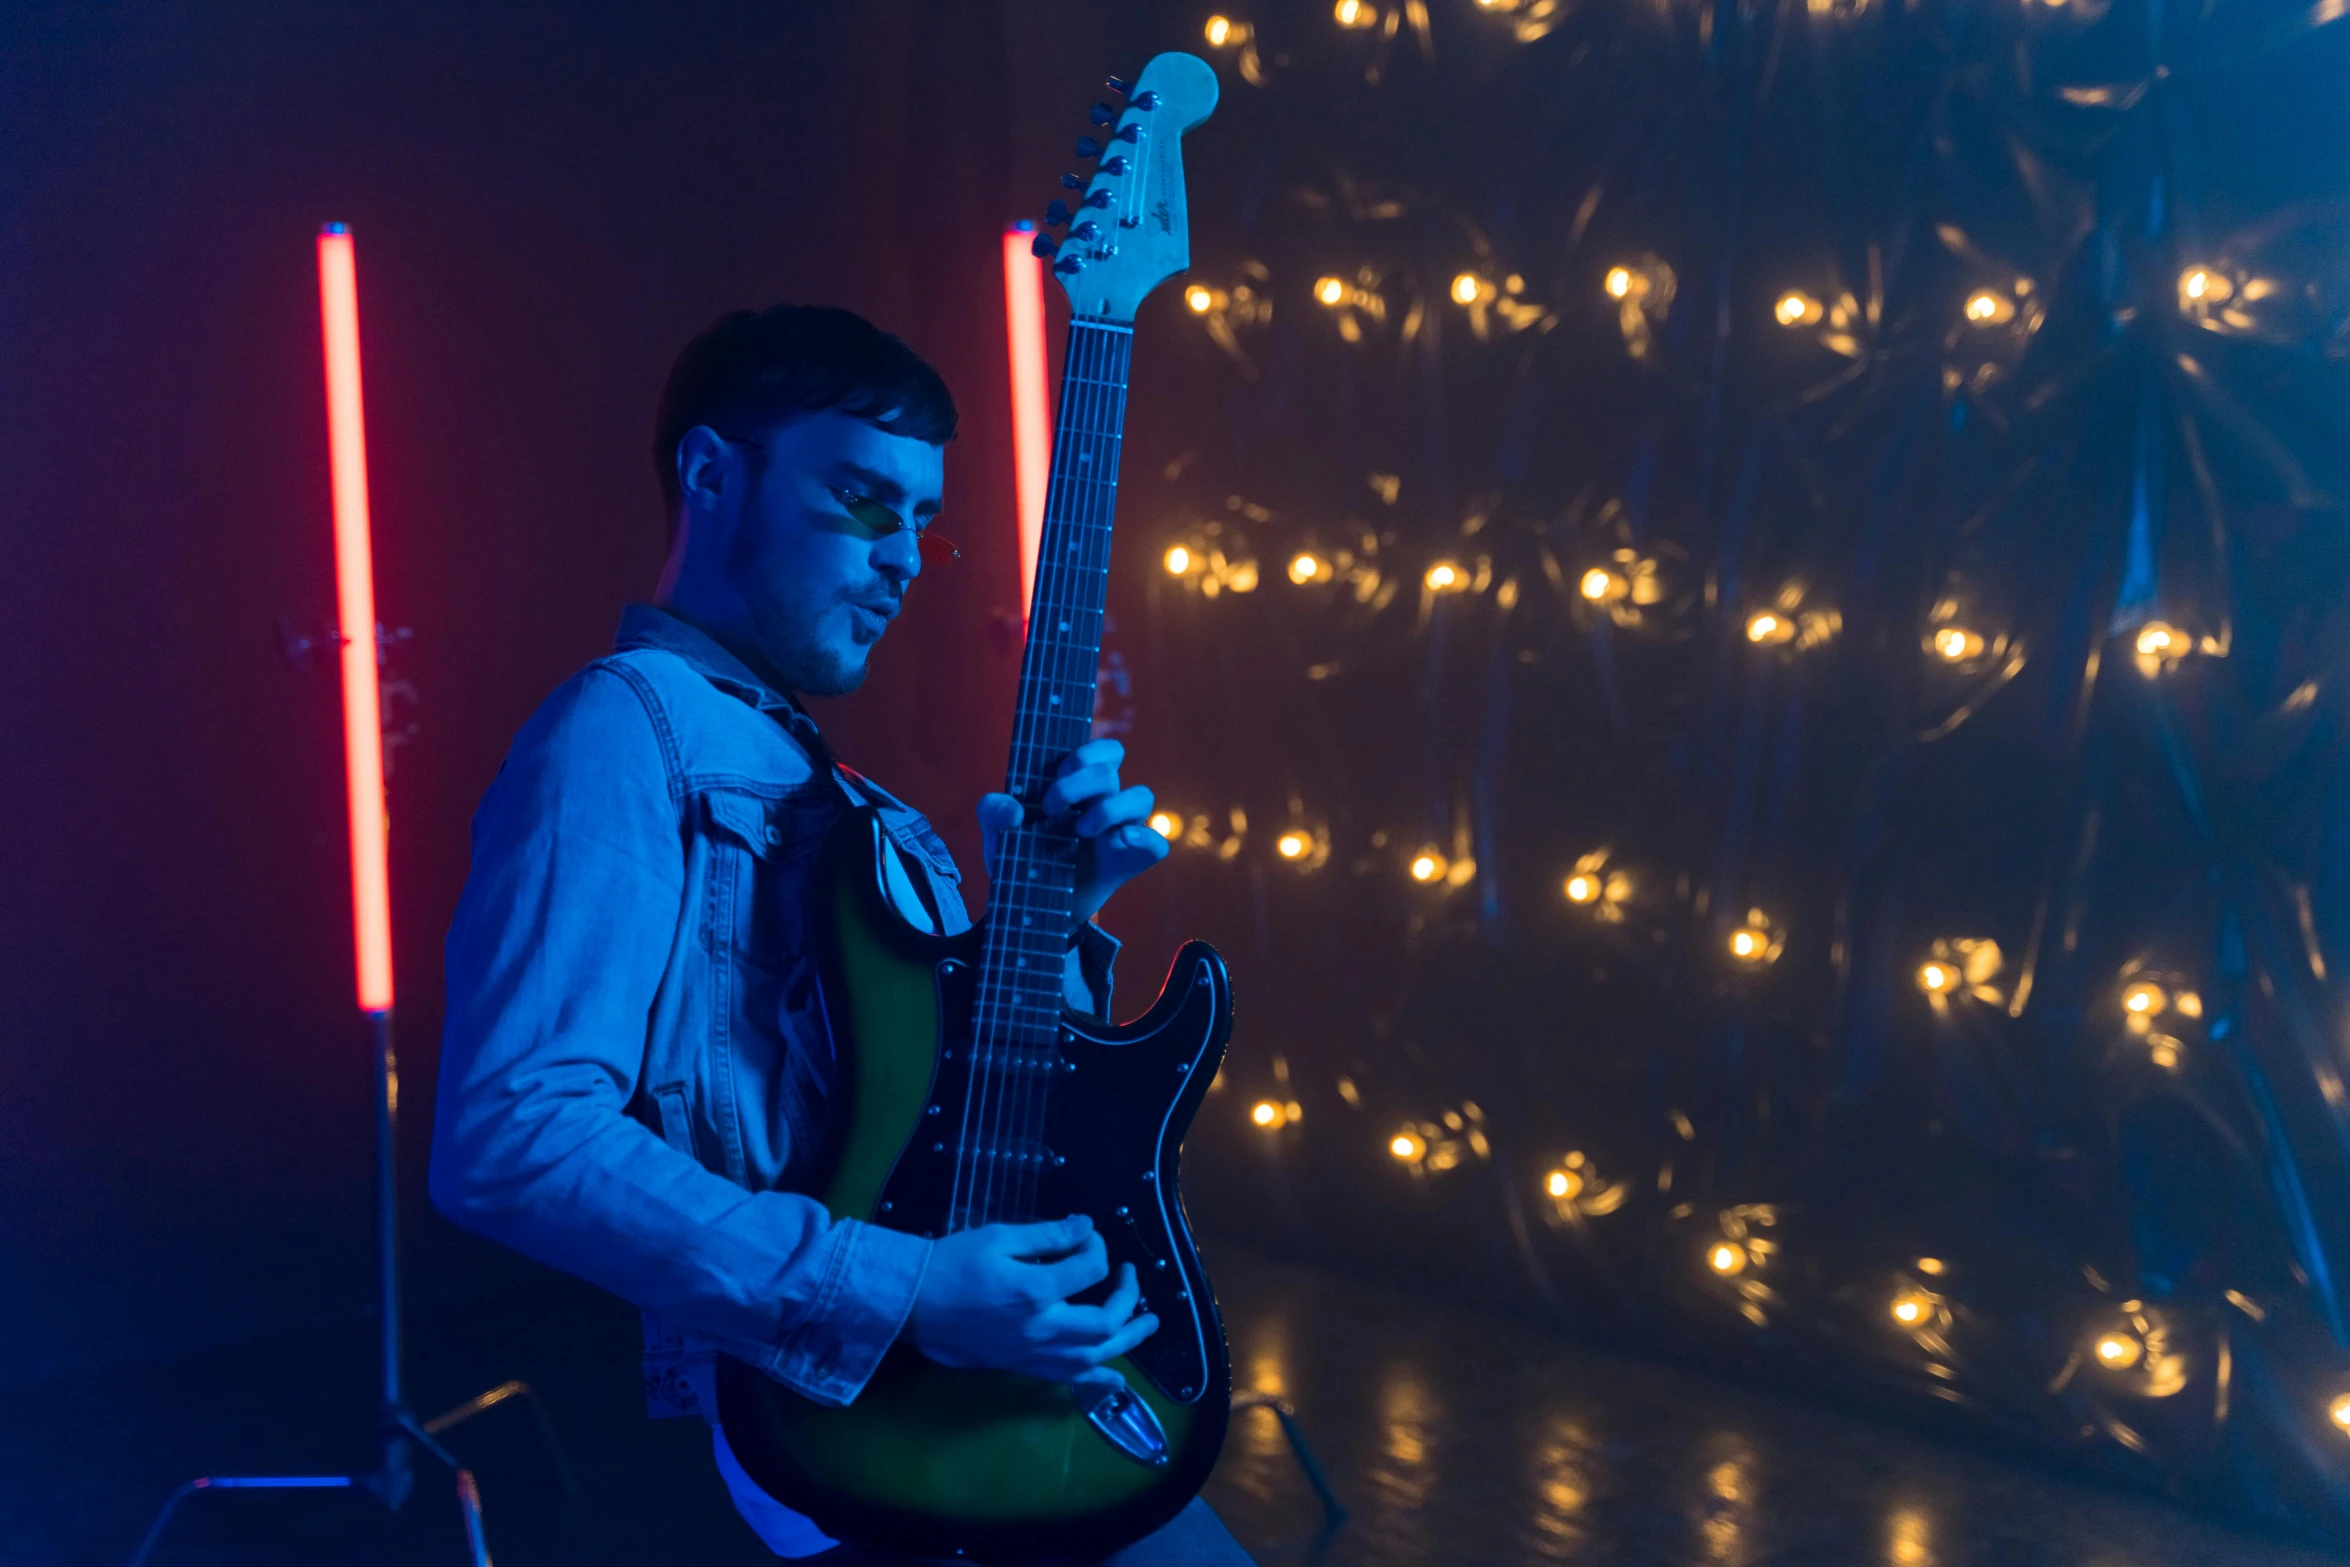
(1128, 1425)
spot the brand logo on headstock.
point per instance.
(1165, 215)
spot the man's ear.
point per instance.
(705, 468)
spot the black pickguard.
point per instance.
(1116, 1117)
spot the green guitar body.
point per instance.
(942, 1461)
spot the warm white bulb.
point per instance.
(1219, 31)
(1166, 825)
(1305, 568)
(1200, 298)
(1178, 561)
(1266, 1113)
(1599, 584)
(1291, 845)
(1466, 288)
(1444, 575)
(1582, 889)
(1762, 628)
(1330, 291)
(1405, 1145)
(1726, 1258)
(1619, 281)
(1794, 309)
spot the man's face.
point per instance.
(814, 557)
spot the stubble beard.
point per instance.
(789, 639)
(806, 664)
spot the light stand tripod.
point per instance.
(361, 643)
(397, 1426)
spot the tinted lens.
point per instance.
(875, 518)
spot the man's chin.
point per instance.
(837, 675)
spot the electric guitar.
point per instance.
(973, 1096)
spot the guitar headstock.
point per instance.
(1130, 229)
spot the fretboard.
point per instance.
(1031, 899)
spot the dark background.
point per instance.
(548, 200)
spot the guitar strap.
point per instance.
(800, 727)
(852, 784)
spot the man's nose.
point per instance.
(899, 555)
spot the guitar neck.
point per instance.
(1037, 865)
(1015, 1029)
(1055, 711)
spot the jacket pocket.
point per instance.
(760, 853)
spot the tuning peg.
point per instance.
(1071, 182)
(1127, 132)
(1086, 231)
(1057, 213)
(1118, 85)
(1114, 165)
(1067, 266)
(1043, 246)
(1146, 100)
(1087, 147)
(1103, 114)
(1099, 198)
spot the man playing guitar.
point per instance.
(637, 1074)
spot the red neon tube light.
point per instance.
(1032, 414)
(363, 756)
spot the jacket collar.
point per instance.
(644, 626)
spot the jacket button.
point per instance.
(773, 836)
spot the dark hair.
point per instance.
(753, 368)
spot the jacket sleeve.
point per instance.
(567, 925)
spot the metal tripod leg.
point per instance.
(1332, 1513)
(233, 1483)
(500, 1394)
(400, 1429)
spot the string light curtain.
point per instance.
(1776, 579)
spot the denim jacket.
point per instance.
(636, 1081)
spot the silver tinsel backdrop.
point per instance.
(1767, 584)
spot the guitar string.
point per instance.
(996, 1024)
(1060, 588)
(1037, 740)
(1088, 581)
(1085, 553)
(1091, 402)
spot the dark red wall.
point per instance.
(548, 200)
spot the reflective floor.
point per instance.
(1452, 1436)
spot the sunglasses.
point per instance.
(879, 522)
